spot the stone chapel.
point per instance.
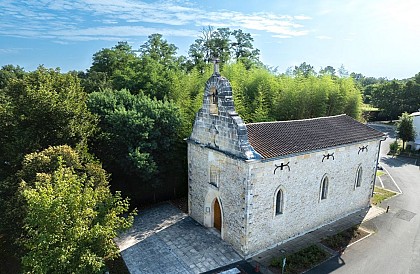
(261, 184)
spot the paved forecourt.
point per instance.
(165, 240)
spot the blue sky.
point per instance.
(373, 37)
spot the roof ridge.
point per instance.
(307, 119)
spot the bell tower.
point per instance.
(217, 125)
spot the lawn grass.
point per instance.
(379, 173)
(381, 194)
(341, 240)
(300, 261)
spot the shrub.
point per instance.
(301, 260)
(393, 147)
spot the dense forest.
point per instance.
(129, 114)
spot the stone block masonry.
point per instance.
(303, 208)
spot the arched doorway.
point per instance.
(217, 215)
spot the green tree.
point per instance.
(387, 98)
(304, 70)
(137, 135)
(328, 70)
(43, 108)
(14, 207)
(9, 72)
(111, 68)
(160, 50)
(211, 44)
(197, 56)
(151, 72)
(92, 81)
(243, 49)
(417, 78)
(71, 217)
(261, 96)
(158, 69)
(108, 61)
(410, 96)
(225, 45)
(405, 128)
(343, 72)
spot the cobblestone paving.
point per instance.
(165, 240)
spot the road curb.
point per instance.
(361, 239)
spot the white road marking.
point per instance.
(380, 180)
(399, 189)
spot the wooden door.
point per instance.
(217, 216)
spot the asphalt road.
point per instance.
(395, 247)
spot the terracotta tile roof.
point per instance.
(273, 139)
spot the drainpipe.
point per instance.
(376, 167)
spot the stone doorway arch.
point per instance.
(213, 215)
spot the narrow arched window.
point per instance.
(279, 202)
(324, 188)
(359, 177)
(213, 101)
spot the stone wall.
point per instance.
(223, 165)
(224, 130)
(303, 208)
(229, 189)
(219, 147)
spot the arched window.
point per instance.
(324, 188)
(213, 101)
(359, 177)
(279, 202)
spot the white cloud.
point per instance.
(323, 37)
(282, 36)
(302, 17)
(402, 13)
(120, 31)
(109, 19)
(12, 50)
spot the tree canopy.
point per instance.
(131, 110)
(405, 128)
(40, 109)
(137, 134)
(71, 217)
(261, 96)
(224, 44)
